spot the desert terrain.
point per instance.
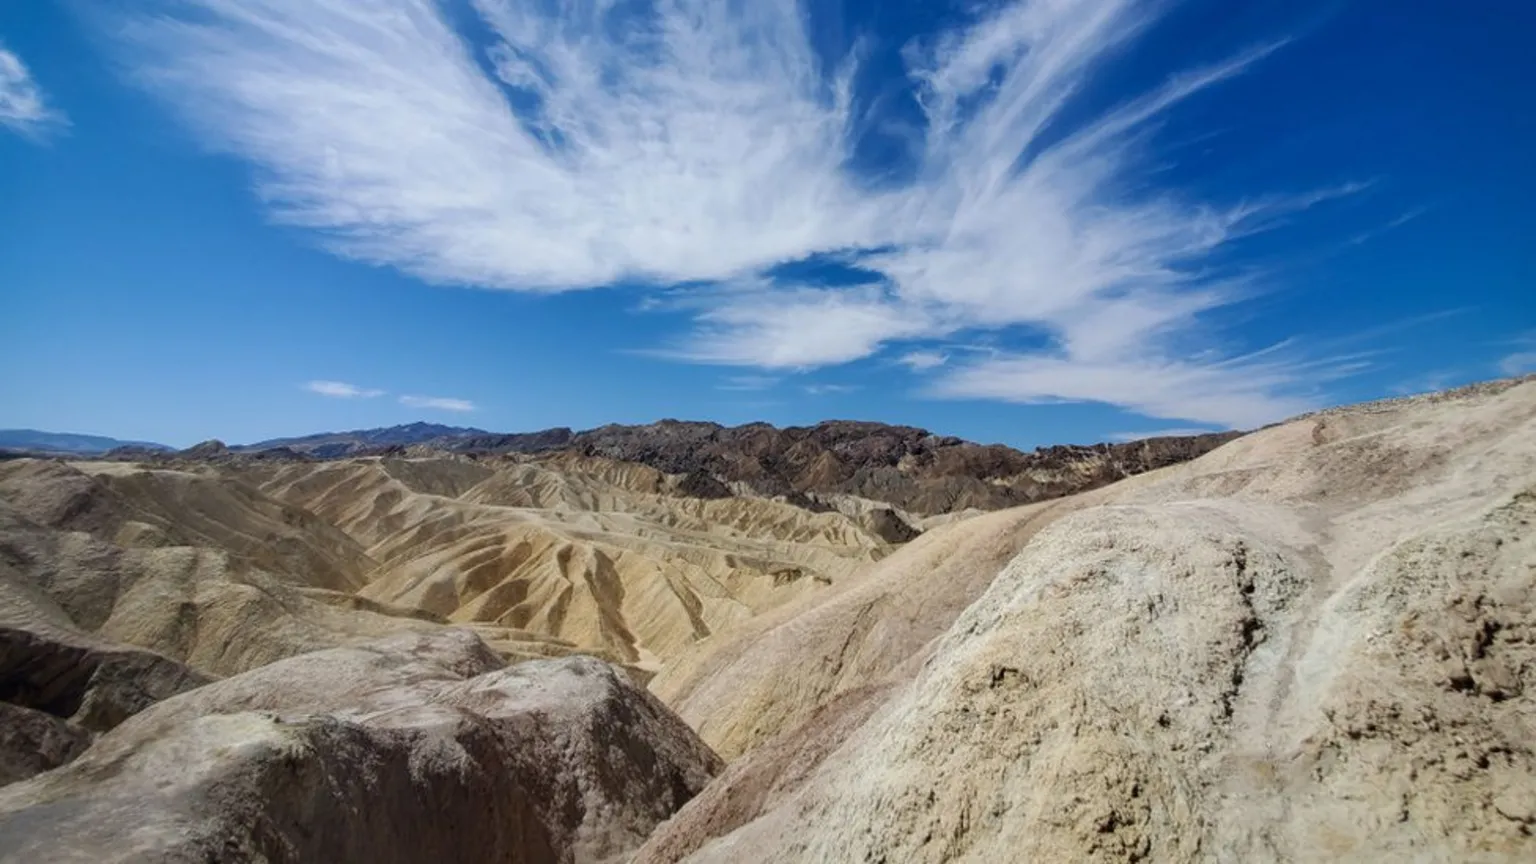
(1316, 641)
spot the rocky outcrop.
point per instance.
(908, 468)
(1313, 644)
(419, 747)
(210, 449)
(58, 685)
(32, 742)
(92, 685)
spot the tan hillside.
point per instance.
(230, 566)
(133, 507)
(203, 606)
(599, 554)
(1315, 643)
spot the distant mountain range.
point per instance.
(812, 466)
(329, 445)
(34, 441)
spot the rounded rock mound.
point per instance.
(415, 747)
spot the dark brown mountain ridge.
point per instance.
(812, 466)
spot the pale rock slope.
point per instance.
(416, 747)
(1317, 642)
(772, 672)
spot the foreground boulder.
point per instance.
(417, 747)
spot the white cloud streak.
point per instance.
(1175, 432)
(747, 383)
(830, 389)
(1426, 383)
(438, 403)
(922, 361)
(1518, 363)
(1399, 221)
(1522, 360)
(773, 328)
(697, 141)
(23, 108)
(1234, 393)
(341, 390)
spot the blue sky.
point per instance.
(1033, 222)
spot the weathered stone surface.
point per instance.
(418, 747)
(32, 742)
(95, 685)
(1317, 643)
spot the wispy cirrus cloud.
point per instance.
(690, 141)
(344, 390)
(922, 361)
(1240, 392)
(1174, 432)
(681, 143)
(341, 390)
(773, 328)
(1396, 222)
(1518, 363)
(1522, 360)
(23, 107)
(747, 383)
(438, 403)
